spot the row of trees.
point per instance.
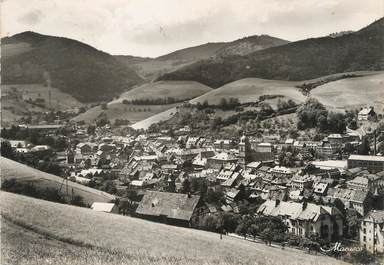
(154, 101)
(224, 104)
(284, 105)
(267, 228)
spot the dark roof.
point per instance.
(172, 205)
(45, 126)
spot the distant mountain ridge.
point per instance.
(300, 60)
(152, 67)
(72, 66)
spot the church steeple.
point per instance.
(244, 150)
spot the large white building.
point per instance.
(372, 163)
(372, 232)
(305, 219)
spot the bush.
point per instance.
(104, 106)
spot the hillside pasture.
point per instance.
(16, 101)
(250, 89)
(161, 116)
(131, 112)
(116, 109)
(71, 235)
(179, 90)
(14, 170)
(353, 93)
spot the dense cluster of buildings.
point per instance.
(315, 195)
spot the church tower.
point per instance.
(244, 150)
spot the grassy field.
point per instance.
(353, 93)
(135, 113)
(250, 89)
(162, 116)
(41, 232)
(177, 89)
(356, 92)
(11, 169)
(14, 97)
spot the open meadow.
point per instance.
(14, 170)
(18, 100)
(250, 89)
(47, 232)
(353, 93)
(116, 109)
(179, 90)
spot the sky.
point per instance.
(152, 28)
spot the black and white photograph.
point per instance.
(176, 132)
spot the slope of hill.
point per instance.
(72, 235)
(11, 169)
(118, 110)
(18, 100)
(353, 93)
(250, 44)
(152, 68)
(194, 53)
(73, 67)
(250, 89)
(179, 90)
(306, 59)
(161, 116)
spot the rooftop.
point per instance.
(102, 206)
(366, 158)
(172, 205)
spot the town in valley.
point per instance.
(257, 144)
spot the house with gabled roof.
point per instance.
(359, 200)
(366, 114)
(171, 208)
(305, 219)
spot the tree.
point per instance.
(217, 122)
(253, 230)
(308, 114)
(209, 223)
(91, 129)
(186, 186)
(104, 106)
(223, 103)
(353, 223)
(242, 229)
(214, 195)
(229, 222)
(336, 122)
(364, 147)
(7, 150)
(267, 235)
(109, 186)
